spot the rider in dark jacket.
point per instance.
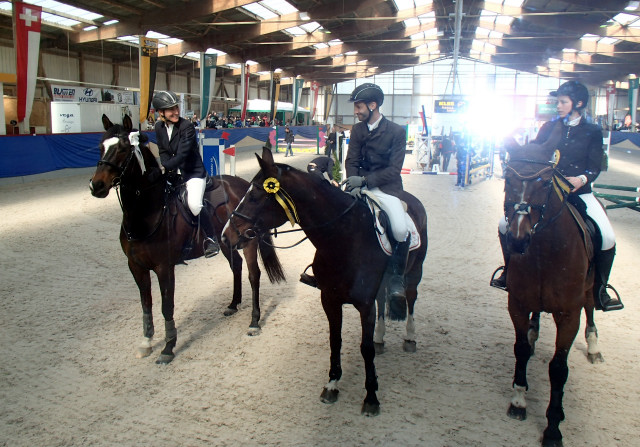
(179, 152)
(374, 161)
(581, 154)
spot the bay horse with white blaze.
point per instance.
(348, 265)
(156, 228)
(549, 271)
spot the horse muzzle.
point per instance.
(98, 189)
(518, 244)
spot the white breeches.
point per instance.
(394, 209)
(195, 192)
(595, 211)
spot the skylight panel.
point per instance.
(214, 51)
(632, 6)
(295, 31)
(625, 19)
(133, 39)
(590, 37)
(320, 46)
(513, 3)
(260, 11)
(89, 28)
(482, 32)
(413, 21)
(310, 27)
(403, 4)
(609, 41)
(280, 7)
(335, 42)
(569, 50)
(110, 22)
(427, 18)
(504, 20)
(350, 53)
(67, 9)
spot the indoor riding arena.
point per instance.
(72, 320)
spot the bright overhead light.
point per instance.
(304, 16)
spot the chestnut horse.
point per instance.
(156, 227)
(549, 271)
(349, 264)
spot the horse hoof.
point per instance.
(253, 331)
(143, 352)
(517, 413)
(409, 346)
(551, 442)
(229, 311)
(369, 409)
(165, 359)
(595, 358)
(329, 396)
(379, 348)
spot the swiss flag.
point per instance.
(26, 19)
(231, 150)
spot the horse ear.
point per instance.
(127, 123)
(106, 122)
(266, 161)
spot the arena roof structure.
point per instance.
(336, 40)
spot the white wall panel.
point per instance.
(60, 67)
(98, 72)
(7, 60)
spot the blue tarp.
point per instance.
(618, 137)
(34, 154)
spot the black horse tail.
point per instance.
(270, 259)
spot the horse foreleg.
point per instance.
(251, 258)
(371, 405)
(534, 331)
(333, 310)
(567, 324)
(522, 352)
(166, 277)
(591, 335)
(378, 335)
(143, 280)
(235, 263)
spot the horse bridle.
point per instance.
(119, 169)
(255, 230)
(525, 208)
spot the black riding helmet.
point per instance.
(164, 100)
(367, 93)
(575, 91)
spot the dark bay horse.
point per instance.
(549, 271)
(348, 265)
(156, 228)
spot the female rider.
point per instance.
(581, 155)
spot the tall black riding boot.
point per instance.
(603, 261)
(210, 243)
(501, 281)
(398, 262)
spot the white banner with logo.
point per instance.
(76, 94)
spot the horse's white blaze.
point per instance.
(242, 200)
(106, 144)
(592, 342)
(518, 400)
(332, 385)
(411, 328)
(378, 334)
(520, 215)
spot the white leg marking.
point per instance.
(411, 329)
(518, 400)
(332, 385)
(144, 349)
(592, 342)
(378, 334)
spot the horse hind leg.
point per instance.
(413, 279)
(166, 277)
(371, 405)
(591, 336)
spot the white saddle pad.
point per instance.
(383, 237)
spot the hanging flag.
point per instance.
(245, 91)
(148, 65)
(633, 100)
(328, 94)
(297, 92)
(208, 64)
(611, 100)
(275, 95)
(314, 89)
(27, 20)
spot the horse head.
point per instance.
(265, 205)
(118, 148)
(530, 178)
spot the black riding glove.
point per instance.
(355, 181)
